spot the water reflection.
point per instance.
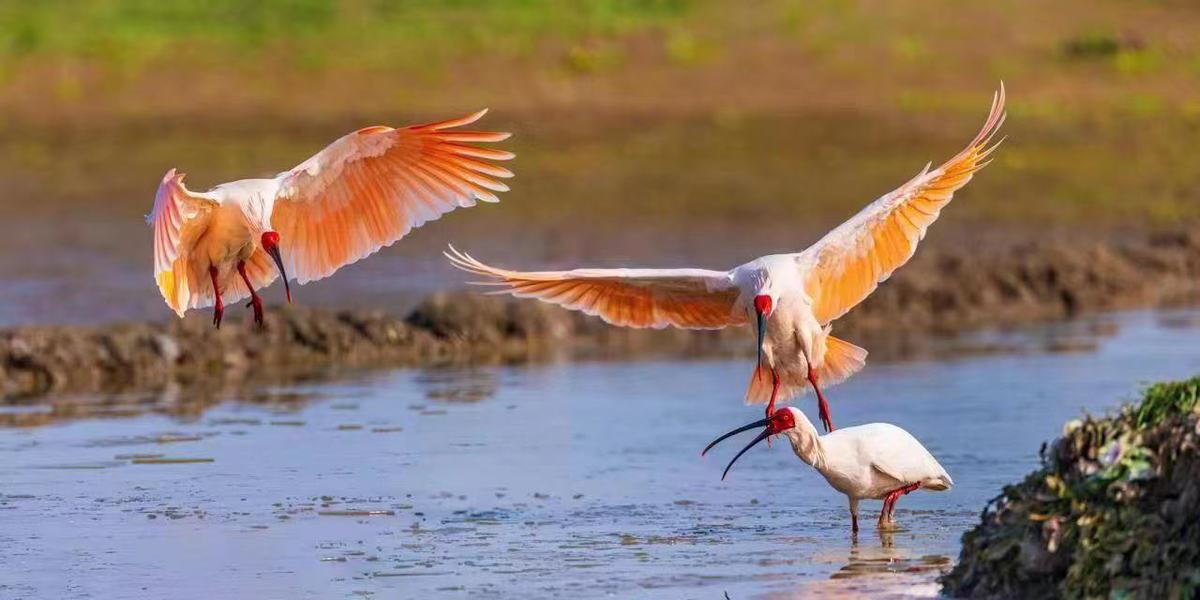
(458, 384)
(186, 403)
(885, 558)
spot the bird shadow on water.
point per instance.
(877, 564)
(865, 560)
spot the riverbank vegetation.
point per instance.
(1111, 513)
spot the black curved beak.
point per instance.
(762, 332)
(758, 423)
(762, 436)
(274, 252)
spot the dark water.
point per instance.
(580, 480)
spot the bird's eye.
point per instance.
(783, 420)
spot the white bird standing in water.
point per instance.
(362, 192)
(877, 461)
(793, 297)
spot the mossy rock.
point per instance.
(1114, 511)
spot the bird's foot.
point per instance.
(774, 394)
(770, 411)
(889, 503)
(257, 303)
(823, 409)
(218, 305)
(255, 300)
(827, 423)
(822, 404)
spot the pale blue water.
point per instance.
(578, 480)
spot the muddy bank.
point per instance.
(1111, 513)
(941, 292)
(950, 290)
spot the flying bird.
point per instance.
(792, 298)
(877, 461)
(362, 192)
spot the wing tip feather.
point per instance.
(452, 123)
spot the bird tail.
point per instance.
(842, 359)
(759, 390)
(938, 484)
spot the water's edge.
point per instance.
(939, 293)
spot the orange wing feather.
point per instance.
(850, 262)
(687, 298)
(177, 219)
(368, 189)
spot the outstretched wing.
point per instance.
(848, 263)
(371, 187)
(178, 218)
(687, 298)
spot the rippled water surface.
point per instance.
(580, 480)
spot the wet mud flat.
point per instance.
(940, 292)
(543, 480)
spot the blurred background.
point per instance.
(661, 132)
(192, 464)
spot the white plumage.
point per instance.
(361, 193)
(794, 297)
(877, 461)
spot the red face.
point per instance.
(781, 421)
(270, 244)
(270, 240)
(763, 305)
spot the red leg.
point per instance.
(904, 491)
(218, 306)
(822, 405)
(255, 301)
(885, 512)
(774, 392)
(889, 501)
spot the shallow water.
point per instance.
(580, 479)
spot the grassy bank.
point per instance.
(1074, 57)
(1111, 513)
(670, 109)
(127, 35)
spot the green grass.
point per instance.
(314, 33)
(796, 109)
